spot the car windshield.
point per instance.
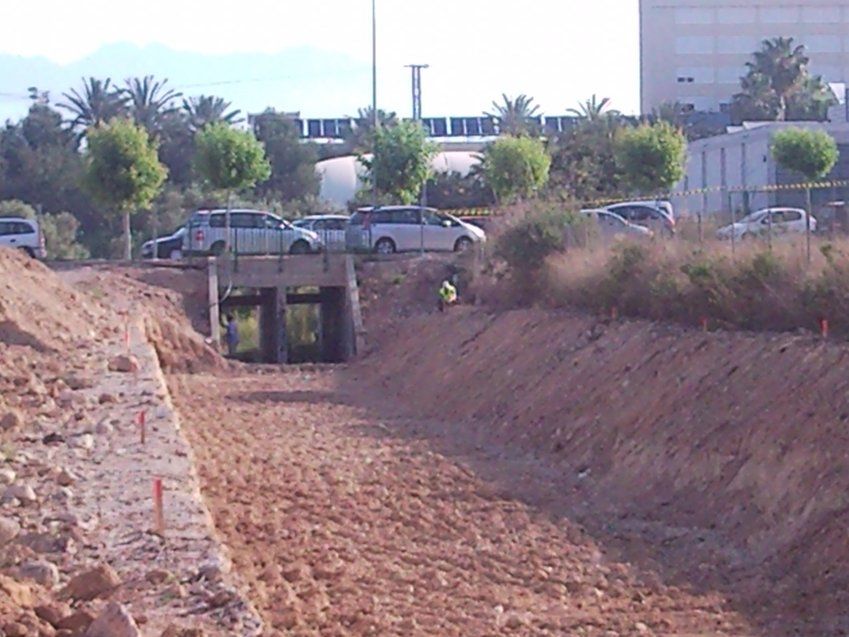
(752, 218)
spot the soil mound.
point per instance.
(738, 441)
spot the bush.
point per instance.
(515, 167)
(652, 157)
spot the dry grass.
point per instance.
(752, 287)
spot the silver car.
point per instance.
(390, 229)
(612, 226)
(251, 232)
(329, 228)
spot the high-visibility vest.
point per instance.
(448, 292)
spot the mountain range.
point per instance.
(316, 82)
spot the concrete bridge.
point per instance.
(275, 282)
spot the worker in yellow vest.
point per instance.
(447, 295)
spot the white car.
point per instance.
(251, 232)
(390, 229)
(658, 215)
(757, 224)
(612, 226)
(330, 228)
(23, 234)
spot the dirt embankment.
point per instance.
(718, 459)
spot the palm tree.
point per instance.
(515, 116)
(784, 66)
(99, 102)
(593, 109)
(149, 101)
(359, 138)
(208, 109)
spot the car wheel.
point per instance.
(176, 254)
(217, 248)
(299, 247)
(28, 251)
(385, 246)
(463, 244)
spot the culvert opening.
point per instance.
(287, 325)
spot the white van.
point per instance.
(251, 232)
(390, 229)
(23, 234)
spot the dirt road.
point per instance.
(346, 521)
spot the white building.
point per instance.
(742, 159)
(694, 51)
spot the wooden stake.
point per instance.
(158, 511)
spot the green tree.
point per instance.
(204, 110)
(293, 175)
(812, 154)
(99, 102)
(651, 157)
(515, 116)
(149, 101)
(360, 139)
(778, 85)
(401, 161)
(123, 170)
(230, 160)
(593, 109)
(583, 162)
(515, 167)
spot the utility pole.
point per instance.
(416, 70)
(375, 118)
(417, 89)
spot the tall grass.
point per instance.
(753, 288)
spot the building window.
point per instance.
(821, 15)
(737, 44)
(822, 43)
(686, 80)
(780, 15)
(737, 16)
(694, 45)
(693, 16)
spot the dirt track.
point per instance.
(344, 521)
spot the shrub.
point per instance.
(515, 167)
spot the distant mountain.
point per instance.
(318, 83)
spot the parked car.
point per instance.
(168, 247)
(612, 226)
(23, 234)
(658, 216)
(389, 229)
(783, 220)
(329, 228)
(251, 232)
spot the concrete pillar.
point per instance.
(214, 317)
(281, 338)
(334, 325)
(356, 329)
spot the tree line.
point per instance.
(49, 159)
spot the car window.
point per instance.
(6, 228)
(431, 218)
(302, 223)
(405, 216)
(217, 220)
(270, 221)
(380, 216)
(611, 220)
(356, 219)
(332, 224)
(623, 211)
(245, 220)
(791, 215)
(644, 213)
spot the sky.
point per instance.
(558, 51)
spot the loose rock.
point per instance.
(9, 530)
(11, 421)
(66, 478)
(41, 572)
(52, 613)
(114, 621)
(21, 492)
(124, 363)
(7, 476)
(91, 584)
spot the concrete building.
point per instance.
(742, 159)
(694, 51)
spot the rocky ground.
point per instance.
(80, 549)
(347, 518)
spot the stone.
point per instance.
(221, 598)
(104, 428)
(21, 492)
(107, 398)
(99, 581)
(19, 593)
(124, 363)
(52, 613)
(11, 421)
(641, 628)
(76, 622)
(9, 530)
(175, 631)
(53, 439)
(15, 629)
(7, 476)
(39, 571)
(114, 621)
(86, 441)
(77, 382)
(45, 542)
(66, 478)
(158, 576)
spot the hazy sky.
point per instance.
(558, 51)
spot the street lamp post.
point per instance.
(375, 119)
